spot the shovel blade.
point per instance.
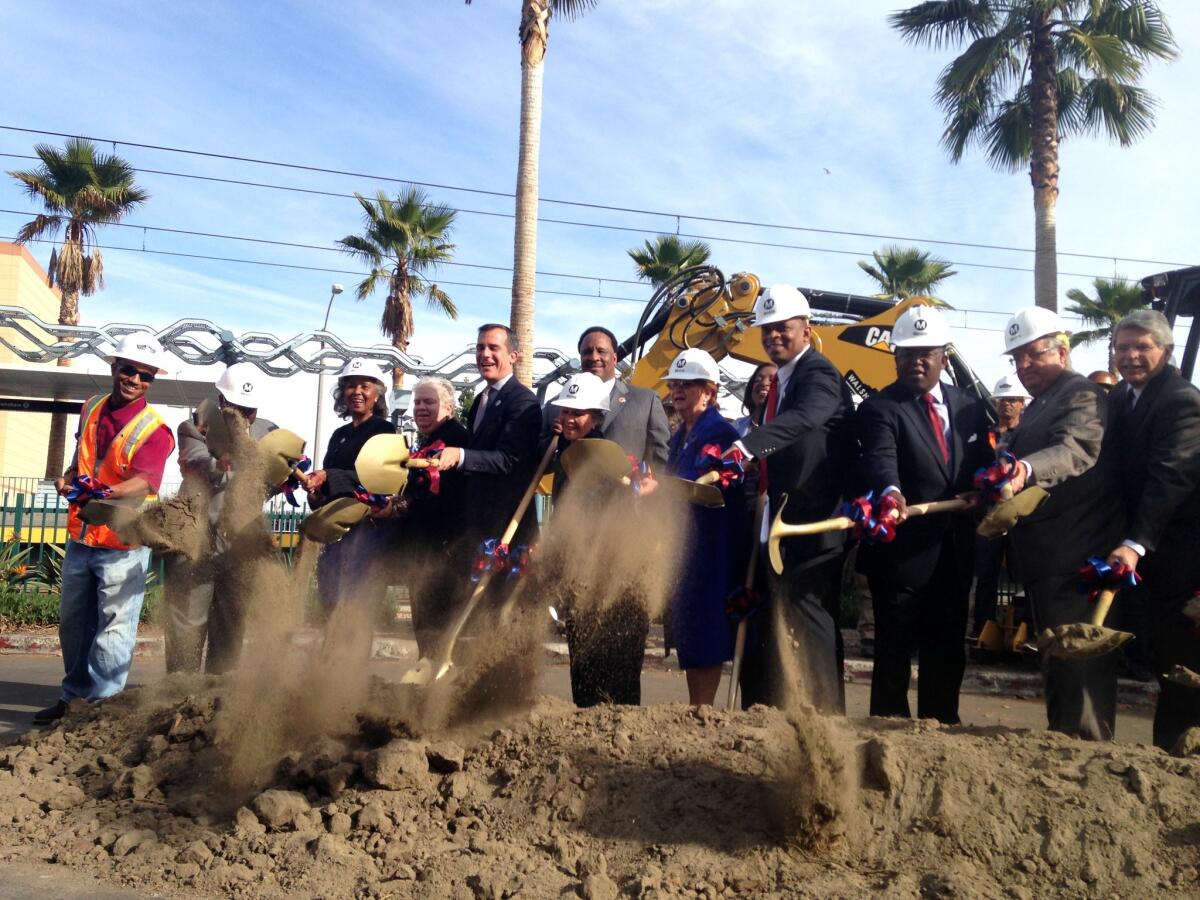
(380, 464)
(426, 671)
(1081, 641)
(1007, 513)
(775, 556)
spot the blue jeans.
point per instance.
(102, 594)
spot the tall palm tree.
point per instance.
(403, 241)
(1036, 71)
(904, 272)
(666, 256)
(534, 33)
(80, 190)
(1115, 298)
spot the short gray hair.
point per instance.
(444, 389)
(1153, 323)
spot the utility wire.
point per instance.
(965, 311)
(302, 246)
(585, 205)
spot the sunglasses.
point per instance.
(134, 372)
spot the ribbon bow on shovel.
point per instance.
(873, 523)
(496, 558)
(1099, 575)
(991, 480)
(429, 478)
(292, 484)
(729, 469)
(84, 488)
(377, 502)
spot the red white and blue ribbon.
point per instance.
(730, 468)
(872, 524)
(990, 481)
(429, 479)
(499, 559)
(1098, 576)
(84, 488)
(742, 603)
(292, 484)
(377, 502)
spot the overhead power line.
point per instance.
(596, 278)
(677, 216)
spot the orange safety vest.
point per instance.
(113, 469)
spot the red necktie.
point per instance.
(772, 409)
(935, 422)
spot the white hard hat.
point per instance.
(920, 326)
(140, 347)
(1007, 388)
(584, 391)
(359, 367)
(693, 364)
(1029, 324)
(780, 302)
(241, 385)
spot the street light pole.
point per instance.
(334, 290)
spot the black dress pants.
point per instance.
(607, 647)
(931, 621)
(794, 641)
(1171, 573)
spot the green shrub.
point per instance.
(27, 607)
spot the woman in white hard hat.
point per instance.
(714, 559)
(1010, 400)
(605, 629)
(430, 513)
(349, 568)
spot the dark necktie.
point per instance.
(935, 422)
(772, 409)
(1131, 402)
(481, 409)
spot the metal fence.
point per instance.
(33, 517)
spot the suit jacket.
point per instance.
(636, 420)
(898, 447)
(434, 520)
(1157, 446)
(808, 447)
(1060, 436)
(501, 456)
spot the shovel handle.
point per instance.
(486, 578)
(1103, 602)
(418, 463)
(739, 644)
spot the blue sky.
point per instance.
(757, 111)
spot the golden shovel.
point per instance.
(383, 462)
(428, 670)
(329, 524)
(1083, 640)
(597, 457)
(281, 450)
(780, 529)
(1005, 514)
(116, 513)
(739, 643)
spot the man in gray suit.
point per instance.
(1057, 447)
(635, 419)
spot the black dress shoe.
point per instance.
(50, 713)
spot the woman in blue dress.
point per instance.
(714, 560)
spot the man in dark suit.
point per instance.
(801, 448)
(501, 453)
(921, 440)
(1057, 446)
(635, 418)
(1154, 430)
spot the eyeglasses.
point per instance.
(1019, 355)
(134, 372)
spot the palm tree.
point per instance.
(534, 33)
(666, 257)
(80, 190)
(403, 240)
(904, 272)
(1036, 71)
(1115, 298)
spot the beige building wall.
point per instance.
(23, 436)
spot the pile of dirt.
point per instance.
(665, 801)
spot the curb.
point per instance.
(978, 679)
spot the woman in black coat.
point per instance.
(349, 569)
(429, 516)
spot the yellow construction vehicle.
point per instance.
(701, 308)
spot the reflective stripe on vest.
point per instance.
(111, 470)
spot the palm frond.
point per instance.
(41, 224)
(942, 23)
(571, 9)
(1123, 112)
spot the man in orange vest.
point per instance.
(122, 447)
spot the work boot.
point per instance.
(50, 713)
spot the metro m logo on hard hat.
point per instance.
(573, 389)
(920, 325)
(247, 387)
(1014, 328)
